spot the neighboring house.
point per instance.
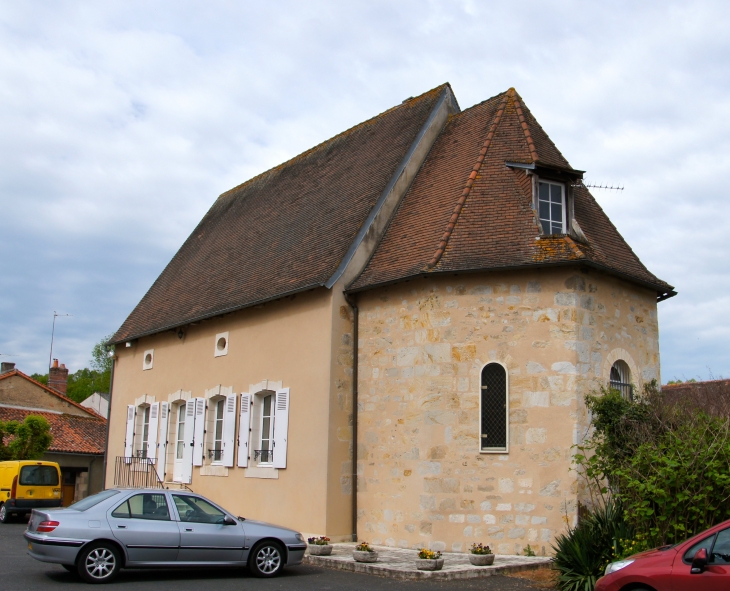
(712, 396)
(438, 285)
(98, 402)
(79, 434)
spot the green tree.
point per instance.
(39, 377)
(28, 440)
(100, 360)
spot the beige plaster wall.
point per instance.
(288, 341)
(423, 481)
(17, 391)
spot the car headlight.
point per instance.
(299, 537)
(618, 565)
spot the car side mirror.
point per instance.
(699, 562)
(228, 520)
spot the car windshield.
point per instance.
(38, 476)
(93, 500)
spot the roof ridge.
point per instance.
(347, 131)
(523, 123)
(17, 372)
(441, 248)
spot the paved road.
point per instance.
(19, 572)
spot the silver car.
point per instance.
(132, 528)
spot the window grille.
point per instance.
(620, 379)
(494, 408)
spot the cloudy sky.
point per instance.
(121, 122)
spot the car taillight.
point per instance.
(46, 526)
(14, 487)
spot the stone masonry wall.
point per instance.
(422, 480)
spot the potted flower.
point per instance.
(364, 553)
(480, 555)
(429, 560)
(319, 546)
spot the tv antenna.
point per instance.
(598, 186)
(53, 331)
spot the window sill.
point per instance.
(213, 470)
(261, 472)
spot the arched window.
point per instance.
(621, 379)
(494, 408)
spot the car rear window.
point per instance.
(93, 500)
(38, 476)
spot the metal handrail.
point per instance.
(136, 472)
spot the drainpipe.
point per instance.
(108, 421)
(355, 311)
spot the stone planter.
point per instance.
(320, 549)
(430, 564)
(481, 559)
(361, 556)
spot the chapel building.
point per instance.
(434, 284)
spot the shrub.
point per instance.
(320, 541)
(426, 554)
(480, 549)
(582, 554)
(668, 464)
(364, 547)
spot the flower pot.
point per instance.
(430, 564)
(361, 556)
(481, 559)
(320, 549)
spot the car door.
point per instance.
(142, 523)
(203, 535)
(716, 576)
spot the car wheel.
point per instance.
(4, 514)
(98, 563)
(267, 559)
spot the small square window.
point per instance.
(551, 207)
(148, 359)
(221, 344)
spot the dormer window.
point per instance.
(551, 207)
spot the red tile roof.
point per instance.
(284, 231)
(467, 211)
(71, 433)
(17, 372)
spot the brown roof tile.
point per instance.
(466, 210)
(284, 231)
(71, 433)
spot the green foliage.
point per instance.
(28, 440)
(85, 382)
(42, 378)
(100, 360)
(582, 554)
(528, 551)
(669, 465)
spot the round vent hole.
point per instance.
(221, 344)
(148, 358)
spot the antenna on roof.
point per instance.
(7, 355)
(599, 186)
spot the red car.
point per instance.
(702, 563)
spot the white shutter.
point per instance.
(281, 427)
(162, 442)
(229, 430)
(244, 425)
(187, 463)
(199, 438)
(129, 437)
(152, 432)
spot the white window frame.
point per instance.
(140, 444)
(215, 404)
(564, 207)
(220, 345)
(494, 450)
(272, 420)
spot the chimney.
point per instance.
(6, 366)
(57, 377)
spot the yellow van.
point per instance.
(27, 485)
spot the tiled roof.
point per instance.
(66, 399)
(284, 231)
(71, 433)
(466, 210)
